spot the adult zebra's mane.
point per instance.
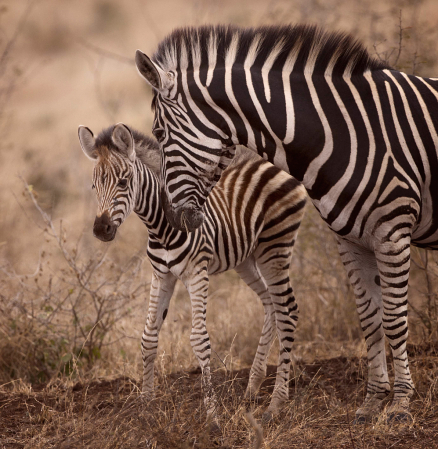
(148, 150)
(184, 45)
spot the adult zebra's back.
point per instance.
(251, 222)
(361, 137)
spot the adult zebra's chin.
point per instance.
(104, 229)
(183, 218)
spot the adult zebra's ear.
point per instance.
(88, 142)
(124, 141)
(153, 74)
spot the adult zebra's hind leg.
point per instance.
(393, 261)
(250, 274)
(162, 287)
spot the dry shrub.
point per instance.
(60, 318)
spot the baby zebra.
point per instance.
(251, 222)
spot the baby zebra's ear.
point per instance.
(123, 140)
(88, 142)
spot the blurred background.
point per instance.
(69, 301)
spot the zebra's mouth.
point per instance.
(103, 229)
(189, 219)
(185, 219)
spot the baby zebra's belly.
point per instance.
(217, 261)
(218, 265)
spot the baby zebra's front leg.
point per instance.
(162, 287)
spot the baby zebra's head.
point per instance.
(114, 175)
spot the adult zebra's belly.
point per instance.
(426, 240)
(425, 233)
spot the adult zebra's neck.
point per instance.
(310, 102)
(286, 116)
(264, 86)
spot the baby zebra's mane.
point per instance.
(146, 148)
(184, 45)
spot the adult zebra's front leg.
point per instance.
(162, 287)
(393, 261)
(380, 282)
(363, 274)
(197, 286)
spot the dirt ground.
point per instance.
(106, 413)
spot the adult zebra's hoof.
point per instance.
(361, 420)
(399, 418)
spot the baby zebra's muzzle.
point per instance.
(103, 229)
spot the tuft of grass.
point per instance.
(107, 413)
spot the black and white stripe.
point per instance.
(360, 136)
(251, 221)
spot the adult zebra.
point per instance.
(251, 221)
(360, 136)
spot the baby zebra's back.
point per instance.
(251, 221)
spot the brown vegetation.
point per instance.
(72, 308)
(106, 413)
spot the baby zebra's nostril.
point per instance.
(103, 228)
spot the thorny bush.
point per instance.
(59, 318)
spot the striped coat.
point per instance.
(251, 223)
(360, 136)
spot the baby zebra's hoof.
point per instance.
(267, 417)
(214, 431)
(399, 418)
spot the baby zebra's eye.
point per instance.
(93, 186)
(123, 182)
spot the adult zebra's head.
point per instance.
(114, 177)
(195, 150)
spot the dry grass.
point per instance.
(107, 413)
(72, 308)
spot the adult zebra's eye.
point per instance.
(123, 182)
(158, 133)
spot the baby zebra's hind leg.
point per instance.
(250, 274)
(197, 286)
(274, 263)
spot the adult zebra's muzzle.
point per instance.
(183, 218)
(103, 229)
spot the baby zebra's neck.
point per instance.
(149, 206)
